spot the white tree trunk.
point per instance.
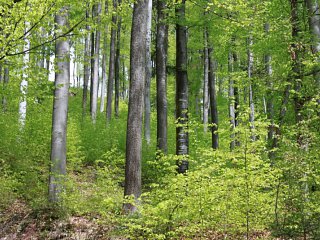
(24, 82)
(104, 62)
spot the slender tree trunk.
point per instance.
(232, 111)
(91, 67)
(205, 82)
(95, 75)
(86, 67)
(251, 102)
(24, 82)
(182, 137)
(6, 78)
(60, 111)
(161, 77)
(112, 61)
(104, 61)
(117, 69)
(213, 100)
(314, 25)
(136, 97)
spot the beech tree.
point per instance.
(135, 111)
(86, 65)
(60, 110)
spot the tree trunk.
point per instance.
(24, 82)
(232, 111)
(161, 77)
(104, 62)
(314, 25)
(182, 137)
(95, 75)
(112, 61)
(86, 67)
(60, 110)
(6, 78)
(213, 100)
(147, 104)
(205, 82)
(117, 69)
(136, 97)
(251, 102)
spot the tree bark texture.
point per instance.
(147, 104)
(86, 67)
(182, 137)
(117, 69)
(213, 100)
(95, 75)
(205, 82)
(161, 77)
(136, 98)
(60, 111)
(112, 61)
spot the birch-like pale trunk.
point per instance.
(86, 67)
(24, 82)
(232, 111)
(161, 77)
(60, 110)
(182, 137)
(147, 104)
(135, 111)
(104, 60)
(117, 68)
(95, 75)
(205, 110)
(112, 61)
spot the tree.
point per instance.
(161, 76)
(112, 60)
(135, 110)
(182, 137)
(60, 110)
(86, 66)
(205, 81)
(147, 104)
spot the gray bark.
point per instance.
(86, 67)
(136, 97)
(117, 69)
(182, 137)
(161, 77)
(104, 62)
(60, 111)
(95, 75)
(147, 104)
(205, 83)
(213, 101)
(112, 62)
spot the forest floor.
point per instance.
(19, 222)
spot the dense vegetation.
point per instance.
(261, 180)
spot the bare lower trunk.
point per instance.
(232, 113)
(117, 69)
(147, 105)
(86, 67)
(182, 138)
(205, 82)
(161, 77)
(111, 62)
(213, 101)
(60, 111)
(251, 103)
(135, 112)
(5, 83)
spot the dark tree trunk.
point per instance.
(161, 77)
(60, 111)
(205, 82)
(112, 61)
(117, 69)
(6, 78)
(213, 101)
(182, 138)
(86, 67)
(136, 98)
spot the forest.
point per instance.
(159, 119)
